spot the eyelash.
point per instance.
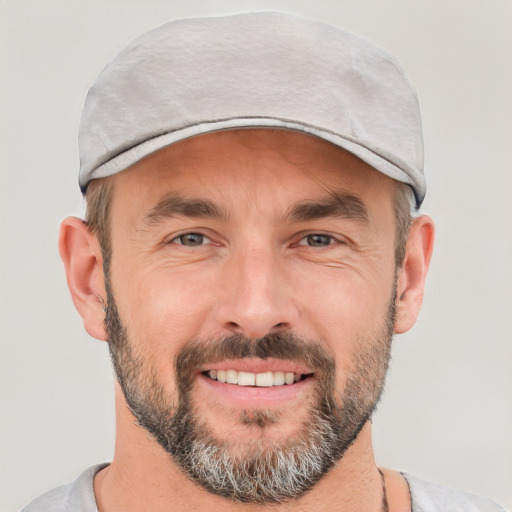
(191, 233)
(331, 239)
(307, 238)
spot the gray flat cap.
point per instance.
(195, 76)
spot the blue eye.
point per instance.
(317, 240)
(190, 239)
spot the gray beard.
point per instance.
(260, 471)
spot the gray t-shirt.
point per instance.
(78, 496)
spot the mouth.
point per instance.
(256, 383)
(260, 380)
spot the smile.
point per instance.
(255, 382)
(264, 380)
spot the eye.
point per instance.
(317, 240)
(191, 239)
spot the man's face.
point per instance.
(265, 259)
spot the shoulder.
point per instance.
(77, 496)
(433, 497)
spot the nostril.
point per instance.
(255, 331)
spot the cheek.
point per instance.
(161, 306)
(341, 302)
(349, 310)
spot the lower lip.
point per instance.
(256, 397)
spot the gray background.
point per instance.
(447, 411)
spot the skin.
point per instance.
(254, 274)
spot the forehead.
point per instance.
(266, 166)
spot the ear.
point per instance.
(412, 275)
(81, 254)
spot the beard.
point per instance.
(261, 470)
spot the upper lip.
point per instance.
(257, 365)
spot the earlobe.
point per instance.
(412, 275)
(81, 254)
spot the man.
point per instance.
(251, 245)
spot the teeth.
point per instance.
(289, 378)
(265, 379)
(231, 376)
(279, 378)
(246, 379)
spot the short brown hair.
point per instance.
(97, 217)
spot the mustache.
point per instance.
(286, 346)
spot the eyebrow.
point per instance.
(340, 205)
(177, 206)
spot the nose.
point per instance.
(257, 298)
